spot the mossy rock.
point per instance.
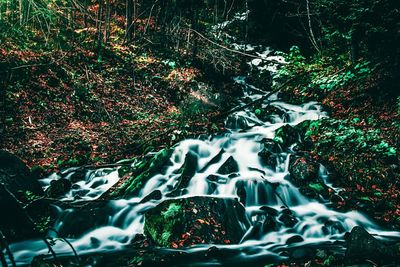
(303, 171)
(266, 113)
(196, 220)
(287, 135)
(187, 171)
(269, 152)
(142, 172)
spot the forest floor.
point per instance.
(68, 109)
(359, 141)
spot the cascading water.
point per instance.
(265, 188)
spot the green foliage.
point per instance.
(316, 187)
(172, 211)
(161, 228)
(142, 171)
(344, 134)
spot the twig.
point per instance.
(260, 99)
(4, 244)
(40, 64)
(312, 37)
(230, 49)
(69, 244)
(3, 259)
(30, 220)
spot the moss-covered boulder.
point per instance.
(137, 176)
(303, 171)
(196, 220)
(287, 135)
(362, 246)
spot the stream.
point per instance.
(264, 187)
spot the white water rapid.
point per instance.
(264, 186)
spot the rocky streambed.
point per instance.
(249, 195)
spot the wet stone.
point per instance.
(58, 188)
(288, 220)
(294, 239)
(363, 246)
(229, 166)
(196, 220)
(303, 171)
(155, 195)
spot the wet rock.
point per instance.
(229, 166)
(237, 122)
(16, 176)
(17, 188)
(213, 253)
(241, 192)
(78, 175)
(287, 218)
(287, 135)
(196, 220)
(266, 113)
(188, 170)
(294, 239)
(269, 210)
(155, 195)
(302, 253)
(363, 246)
(269, 153)
(141, 173)
(58, 188)
(303, 171)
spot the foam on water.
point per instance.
(264, 186)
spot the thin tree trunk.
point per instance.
(128, 15)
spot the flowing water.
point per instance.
(265, 186)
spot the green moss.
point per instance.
(172, 211)
(161, 228)
(142, 172)
(354, 151)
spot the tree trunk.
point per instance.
(128, 15)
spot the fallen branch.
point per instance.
(230, 49)
(4, 245)
(254, 102)
(69, 244)
(29, 220)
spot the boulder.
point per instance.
(58, 188)
(16, 176)
(17, 188)
(303, 171)
(141, 173)
(229, 166)
(287, 135)
(266, 113)
(196, 220)
(363, 246)
(188, 170)
(269, 152)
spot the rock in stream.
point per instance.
(196, 220)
